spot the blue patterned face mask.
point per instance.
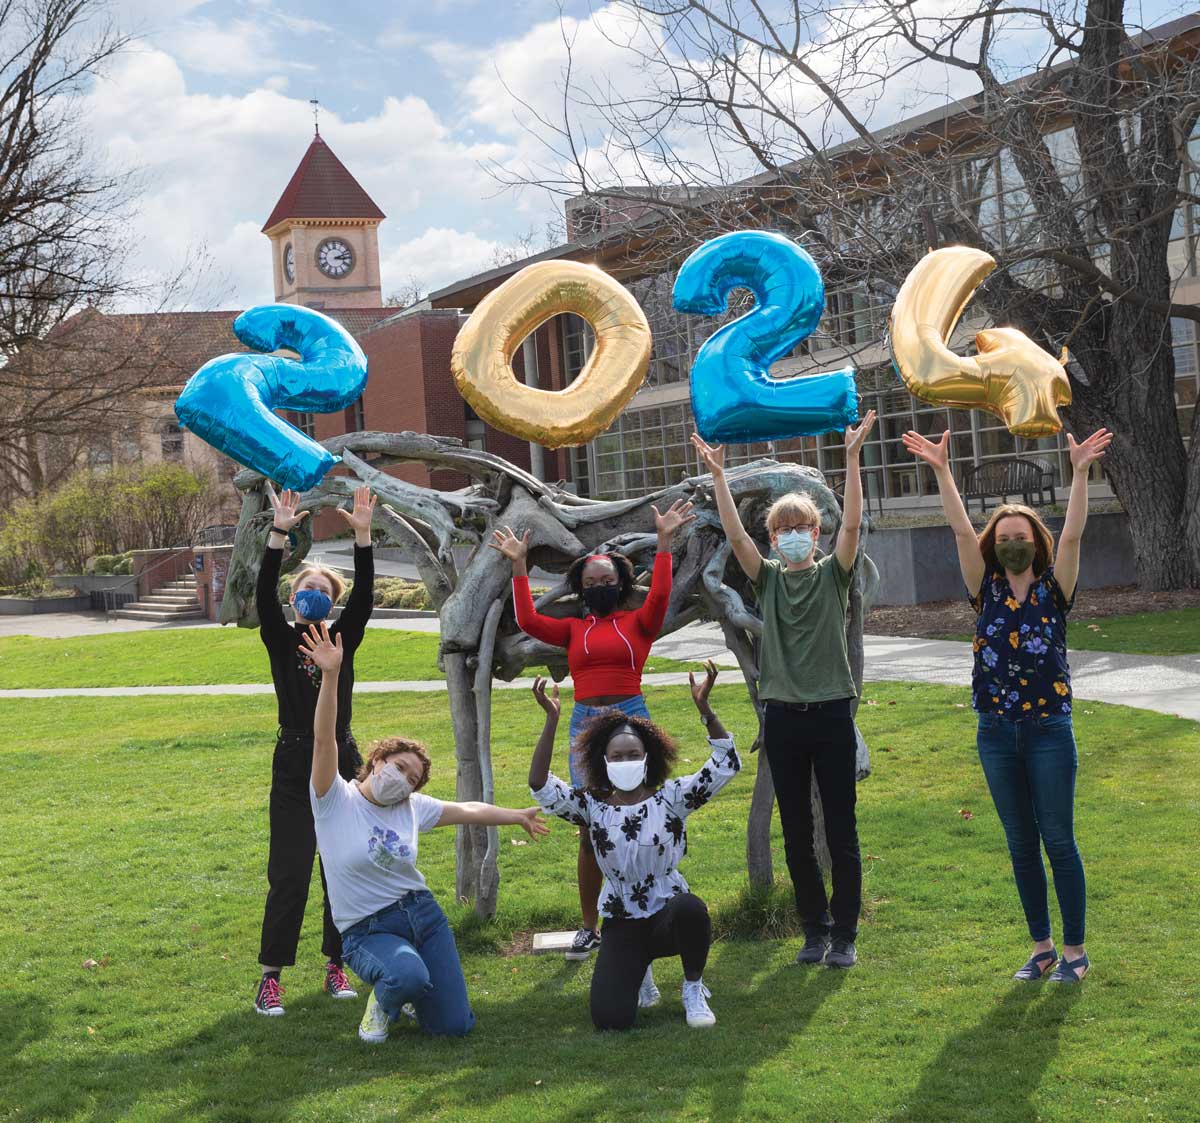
(796, 545)
(312, 604)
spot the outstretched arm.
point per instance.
(549, 629)
(742, 544)
(271, 621)
(353, 621)
(846, 547)
(327, 655)
(1066, 565)
(529, 819)
(539, 766)
(937, 456)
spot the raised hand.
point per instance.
(1085, 452)
(284, 508)
(359, 520)
(713, 456)
(326, 653)
(856, 434)
(677, 515)
(512, 547)
(532, 822)
(548, 702)
(701, 690)
(935, 455)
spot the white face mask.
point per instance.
(795, 545)
(627, 775)
(390, 785)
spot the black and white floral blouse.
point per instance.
(638, 847)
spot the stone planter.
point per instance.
(35, 606)
(104, 591)
(920, 564)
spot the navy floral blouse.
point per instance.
(1021, 649)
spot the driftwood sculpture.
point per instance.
(479, 636)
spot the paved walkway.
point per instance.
(1168, 684)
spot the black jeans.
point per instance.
(681, 927)
(293, 847)
(799, 744)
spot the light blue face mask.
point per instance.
(313, 604)
(796, 545)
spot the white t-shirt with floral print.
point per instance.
(638, 847)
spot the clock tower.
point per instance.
(324, 236)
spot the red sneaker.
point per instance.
(336, 983)
(267, 1001)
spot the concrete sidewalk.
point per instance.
(1167, 684)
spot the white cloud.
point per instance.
(213, 166)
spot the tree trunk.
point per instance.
(470, 842)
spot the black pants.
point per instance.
(821, 742)
(681, 927)
(293, 847)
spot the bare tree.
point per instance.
(1072, 175)
(412, 290)
(69, 375)
(479, 635)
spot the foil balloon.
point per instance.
(1012, 376)
(229, 402)
(734, 397)
(483, 350)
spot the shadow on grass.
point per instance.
(993, 1069)
(540, 1040)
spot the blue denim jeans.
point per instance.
(582, 714)
(407, 952)
(1030, 767)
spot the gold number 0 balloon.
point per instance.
(483, 350)
(1011, 376)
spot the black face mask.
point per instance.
(601, 599)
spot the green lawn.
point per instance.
(1141, 633)
(135, 835)
(203, 656)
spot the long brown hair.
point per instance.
(1043, 540)
(390, 746)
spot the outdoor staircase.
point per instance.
(175, 600)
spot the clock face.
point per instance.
(335, 258)
(289, 262)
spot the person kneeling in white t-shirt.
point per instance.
(394, 934)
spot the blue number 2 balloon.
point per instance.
(734, 397)
(229, 402)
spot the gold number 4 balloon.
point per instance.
(483, 351)
(1011, 376)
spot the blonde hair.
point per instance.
(795, 504)
(390, 746)
(1043, 540)
(334, 579)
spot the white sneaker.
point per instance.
(375, 1022)
(694, 1005)
(648, 993)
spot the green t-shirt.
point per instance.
(804, 657)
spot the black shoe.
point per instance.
(841, 954)
(586, 941)
(814, 949)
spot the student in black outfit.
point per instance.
(297, 682)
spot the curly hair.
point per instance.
(390, 746)
(661, 749)
(624, 568)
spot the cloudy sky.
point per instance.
(211, 107)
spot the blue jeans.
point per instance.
(1030, 767)
(581, 715)
(407, 952)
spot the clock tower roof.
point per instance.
(322, 187)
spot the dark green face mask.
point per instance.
(1016, 555)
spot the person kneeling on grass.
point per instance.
(394, 934)
(635, 818)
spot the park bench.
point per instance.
(1032, 480)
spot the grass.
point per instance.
(1141, 633)
(135, 835)
(204, 656)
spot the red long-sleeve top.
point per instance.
(605, 654)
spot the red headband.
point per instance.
(597, 557)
